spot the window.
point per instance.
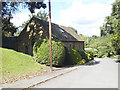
(61, 30)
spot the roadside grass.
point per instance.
(16, 64)
(115, 56)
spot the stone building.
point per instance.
(39, 29)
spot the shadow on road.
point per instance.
(93, 63)
(90, 63)
(117, 61)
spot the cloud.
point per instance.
(86, 18)
(23, 16)
(19, 18)
(84, 15)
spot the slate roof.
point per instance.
(60, 32)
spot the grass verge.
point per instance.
(16, 65)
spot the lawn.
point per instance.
(16, 65)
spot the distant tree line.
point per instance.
(108, 43)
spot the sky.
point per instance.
(86, 16)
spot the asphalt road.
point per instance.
(101, 75)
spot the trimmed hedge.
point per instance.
(41, 52)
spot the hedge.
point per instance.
(68, 58)
(89, 54)
(82, 53)
(76, 56)
(42, 55)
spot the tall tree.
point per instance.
(112, 26)
(8, 8)
(42, 15)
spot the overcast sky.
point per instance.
(84, 15)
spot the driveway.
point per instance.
(101, 75)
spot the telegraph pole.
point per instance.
(50, 39)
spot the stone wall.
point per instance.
(74, 44)
(34, 31)
(9, 42)
(29, 35)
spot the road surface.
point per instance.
(101, 75)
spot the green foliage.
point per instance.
(118, 57)
(100, 54)
(35, 5)
(16, 64)
(94, 42)
(112, 26)
(41, 52)
(83, 61)
(9, 8)
(104, 50)
(36, 46)
(76, 56)
(116, 42)
(68, 58)
(94, 53)
(90, 54)
(103, 45)
(42, 15)
(107, 28)
(83, 55)
(8, 29)
(86, 40)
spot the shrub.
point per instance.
(68, 58)
(118, 57)
(82, 53)
(36, 46)
(83, 61)
(103, 52)
(103, 44)
(76, 56)
(89, 54)
(41, 52)
(94, 52)
(100, 54)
